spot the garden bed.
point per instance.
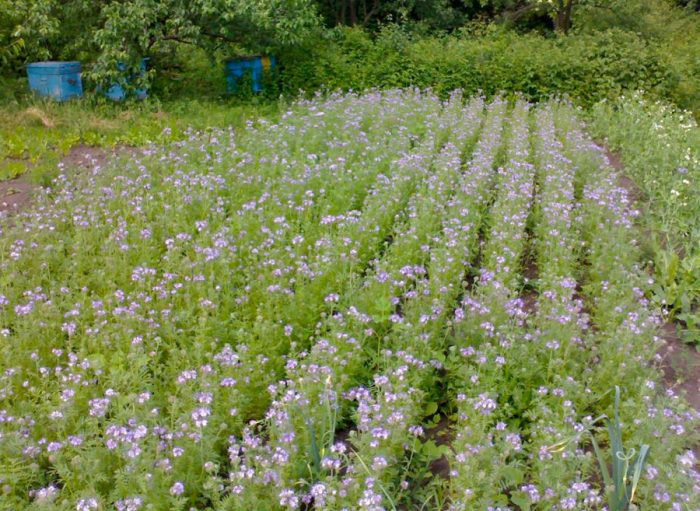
(379, 301)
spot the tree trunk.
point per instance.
(344, 12)
(562, 20)
(371, 12)
(353, 13)
(340, 13)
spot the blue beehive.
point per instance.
(255, 66)
(117, 93)
(58, 80)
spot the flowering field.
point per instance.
(384, 301)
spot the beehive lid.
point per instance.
(55, 67)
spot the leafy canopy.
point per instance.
(126, 30)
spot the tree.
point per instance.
(561, 11)
(435, 14)
(124, 31)
(24, 26)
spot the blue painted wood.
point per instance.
(58, 80)
(117, 93)
(255, 66)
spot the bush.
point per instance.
(587, 67)
(674, 31)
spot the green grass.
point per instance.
(35, 134)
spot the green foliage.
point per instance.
(651, 47)
(448, 15)
(35, 136)
(188, 72)
(294, 295)
(431, 14)
(673, 31)
(678, 287)
(15, 19)
(587, 68)
(108, 33)
(660, 148)
(621, 485)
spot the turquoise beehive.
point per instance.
(117, 93)
(58, 80)
(256, 66)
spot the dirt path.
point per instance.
(86, 157)
(16, 194)
(680, 363)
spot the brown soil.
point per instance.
(529, 302)
(16, 194)
(680, 365)
(441, 434)
(87, 157)
(440, 467)
(343, 435)
(531, 273)
(530, 270)
(615, 161)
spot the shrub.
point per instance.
(587, 67)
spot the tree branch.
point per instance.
(372, 12)
(519, 12)
(221, 37)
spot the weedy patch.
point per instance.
(35, 113)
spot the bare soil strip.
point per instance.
(15, 195)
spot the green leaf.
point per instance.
(601, 462)
(384, 306)
(97, 361)
(521, 500)
(430, 408)
(637, 473)
(513, 476)
(618, 463)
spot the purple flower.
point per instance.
(288, 499)
(177, 489)
(485, 404)
(88, 504)
(129, 504)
